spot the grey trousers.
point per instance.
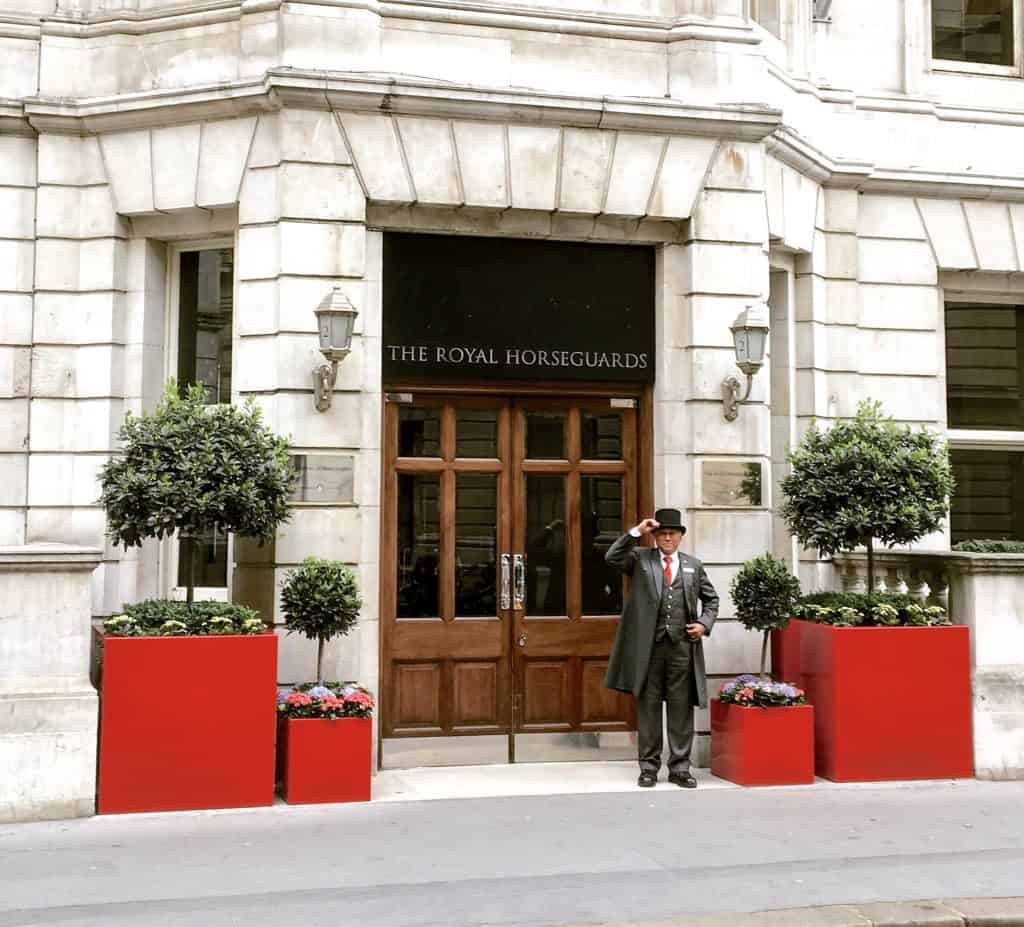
(668, 680)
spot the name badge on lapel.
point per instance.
(688, 570)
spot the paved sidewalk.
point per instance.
(534, 860)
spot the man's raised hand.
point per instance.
(647, 526)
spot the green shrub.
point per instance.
(320, 600)
(764, 593)
(167, 618)
(857, 609)
(982, 546)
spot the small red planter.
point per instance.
(889, 703)
(762, 746)
(785, 645)
(324, 760)
(187, 722)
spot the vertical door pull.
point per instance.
(519, 580)
(506, 581)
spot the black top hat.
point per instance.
(670, 518)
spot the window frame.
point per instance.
(169, 547)
(952, 66)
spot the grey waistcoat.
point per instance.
(672, 611)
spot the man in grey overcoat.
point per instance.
(658, 654)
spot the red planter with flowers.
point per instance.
(325, 761)
(762, 733)
(187, 722)
(889, 702)
(325, 744)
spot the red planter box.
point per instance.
(324, 760)
(762, 746)
(889, 703)
(187, 722)
(785, 646)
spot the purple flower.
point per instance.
(748, 680)
(283, 693)
(321, 692)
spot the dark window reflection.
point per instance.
(985, 366)
(418, 545)
(545, 545)
(989, 497)
(980, 31)
(476, 544)
(476, 433)
(206, 303)
(601, 436)
(209, 558)
(545, 435)
(419, 432)
(600, 525)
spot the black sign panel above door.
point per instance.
(470, 308)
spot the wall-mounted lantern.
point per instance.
(335, 319)
(750, 336)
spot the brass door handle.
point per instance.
(519, 581)
(506, 581)
(522, 640)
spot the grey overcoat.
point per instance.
(634, 640)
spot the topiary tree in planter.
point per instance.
(188, 467)
(320, 600)
(765, 594)
(863, 480)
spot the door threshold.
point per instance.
(493, 749)
(522, 779)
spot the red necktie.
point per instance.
(668, 570)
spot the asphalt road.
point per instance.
(534, 861)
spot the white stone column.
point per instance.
(17, 256)
(986, 594)
(302, 232)
(77, 377)
(48, 708)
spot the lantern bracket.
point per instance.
(731, 398)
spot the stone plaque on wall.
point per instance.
(730, 482)
(323, 478)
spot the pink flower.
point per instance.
(746, 693)
(361, 699)
(299, 699)
(331, 703)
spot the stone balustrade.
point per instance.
(923, 575)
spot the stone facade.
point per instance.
(827, 167)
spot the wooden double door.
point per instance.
(498, 610)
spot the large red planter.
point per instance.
(324, 760)
(785, 645)
(889, 703)
(187, 722)
(762, 746)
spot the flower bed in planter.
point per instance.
(326, 743)
(889, 702)
(187, 722)
(762, 733)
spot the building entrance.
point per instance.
(498, 611)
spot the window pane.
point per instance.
(476, 433)
(989, 497)
(418, 544)
(476, 544)
(209, 558)
(980, 31)
(545, 435)
(600, 525)
(545, 545)
(419, 432)
(984, 365)
(206, 298)
(602, 436)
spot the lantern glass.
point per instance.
(756, 339)
(335, 327)
(741, 338)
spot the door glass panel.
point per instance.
(209, 558)
(600, 525)
(601, 436)
(545, 435)
(418, 545)
(476, 544)
(206, 287)
(419, 432)
(545, 544)
(476, 433)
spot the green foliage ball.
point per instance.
(764, 593)
(320, 599)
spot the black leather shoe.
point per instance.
(683, 780)
(647, 780)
